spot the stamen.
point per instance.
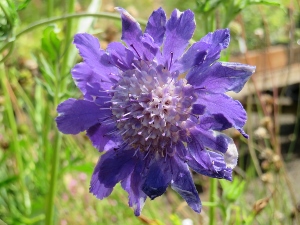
(107, 122)
(146, 154)
(122, 87)
(124, 132)
(146, 139)
(171, 60)
(116, 65)
(105, 118)
(108, 91)
(102, 97)
(106, 81)
(118, 75)
(123, 119)
(112, 101)
(136, 151)
(110, 108)
(149, 106)
(136, 51)
(111, 132)
(200, 88)
(123, 146)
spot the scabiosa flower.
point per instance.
(152, 124)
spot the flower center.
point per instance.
(151, 108)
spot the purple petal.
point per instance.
(222, 111)
(179, 30)
(194, 57)
(219, 143)
(221, 77)
(156, 26)
(198, 109)
(152, 49)
(215, 42)
(98, 134)
(206, 162)
(93, 56)
(95, 93)
(116, 166)
(216, 121)
(158, 178)
(133, 185)
(196, 151)
(111, 168)
(220, 171)
(183, 184)
(84, 76)
(120, 56)
(204, 52)
(212, 140)
(75, 116)
(180, 150)
(96, 187)
(131, 32)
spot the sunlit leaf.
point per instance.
(50, 43)
(22, 4)
(205, 6)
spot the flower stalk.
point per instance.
(213, 192)
(58, 138)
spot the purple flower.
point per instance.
(152, 124)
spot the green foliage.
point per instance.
(8, 19)
(22, 4)
(9, 16)
(207, 6)
(226, 10)
(232, 191)
(51, 44)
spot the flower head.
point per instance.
(152, 124)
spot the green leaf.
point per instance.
(50, 43)
(7, 181)
(206, 6)
(8, 19)
(22, 4)
(232, 190)
(46, 69)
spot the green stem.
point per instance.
(213, 198)
(50, 7)
(59, 87)
(53, 182)
(68, 37)
(55, 159)
(68, 16)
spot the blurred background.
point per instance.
(44, 175)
